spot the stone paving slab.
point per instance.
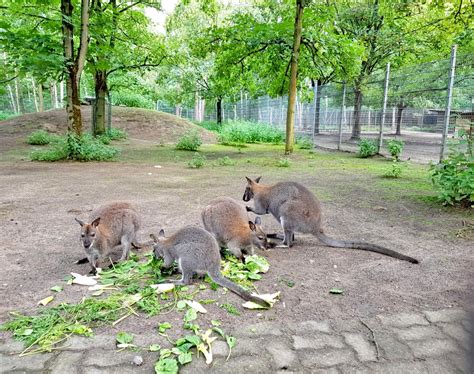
(426, 342)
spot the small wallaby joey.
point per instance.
(228, 221)
(297, 209)
(112, 227)
(197, 253)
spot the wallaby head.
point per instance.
(249, 190)
(158, 243)
(89, 232)
(259, 237)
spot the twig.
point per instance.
(121, 318)
(372, 338)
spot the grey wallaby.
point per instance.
(196, 253)
(297, 209)
(112, 227)
(228, 221)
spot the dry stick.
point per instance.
(373, 337)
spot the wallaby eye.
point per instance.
(82, 235)
(92, 234)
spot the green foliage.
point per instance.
(230, 309)
(166, 366)
(367, 148)
(395, 147)
(124, 338)
(241, 132)
(304, 143)
(39, 137)
(210, 125)
(395, 170)
(6, 115)
(86, 148)
(190, 141)
(132, 99)
(198, 161)
(454, 176)
(284, 163)
(225, 161)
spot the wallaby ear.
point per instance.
(252, 226)
(249, 180)
(257, 180)
(161, 234)
(79, 221)
(95, 222)
(258, 221)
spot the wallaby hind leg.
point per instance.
(185, 279)
(281, 236)
(287, 240)
(125, 243)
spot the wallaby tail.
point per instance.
(139, 245)
(224, 282)
(365, 246)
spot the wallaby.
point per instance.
(228, 221)
(196, 253)
(297, 209)
(112, 226)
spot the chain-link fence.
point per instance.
(338, 115)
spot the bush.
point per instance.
(395, 171)
(367, 148)
(6, 115)
(225, 161)
(132, 99)
(454, 176)
(190, 141)
(284, 163)
(198, 161)
(71, 147)
(395, 147)
(39, 137)
(249, 132)
(210, 125)
(112, 134)
(304, 143)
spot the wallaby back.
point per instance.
(228, 221)
(196, 251)
(297, 209)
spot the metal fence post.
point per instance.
(315, 106)
(384, 105)
(343, 104)
(447, 113)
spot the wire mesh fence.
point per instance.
(337, 115)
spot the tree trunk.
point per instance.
(290, 114)
(357, 112)
(40, 98)
(317, 115)
(74, 65)
(35, 96)
(12, 100)
(219, 110)
(19, 97)
(100, 79)
(400, 107)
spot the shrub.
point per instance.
(225, 161)
(190, 141)
(71, 147)
(132, 99)
(6, 115)
(395, 171)
(284, 163)
(39, 137)
(112, 134)
(395, 147)
(198, 161)
(367, 148)
(210, 125)
(454, 176)
(249, 132)
(305, 143)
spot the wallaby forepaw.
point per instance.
(81, 261)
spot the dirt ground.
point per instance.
(39, 239)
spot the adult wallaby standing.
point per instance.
(297, 209)
(228, 221)
(196, 253)
(112, 227)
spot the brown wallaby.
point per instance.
(112, 226)
(196, 253)
(297, 209)
(228, 221)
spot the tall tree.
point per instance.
(74, 61)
